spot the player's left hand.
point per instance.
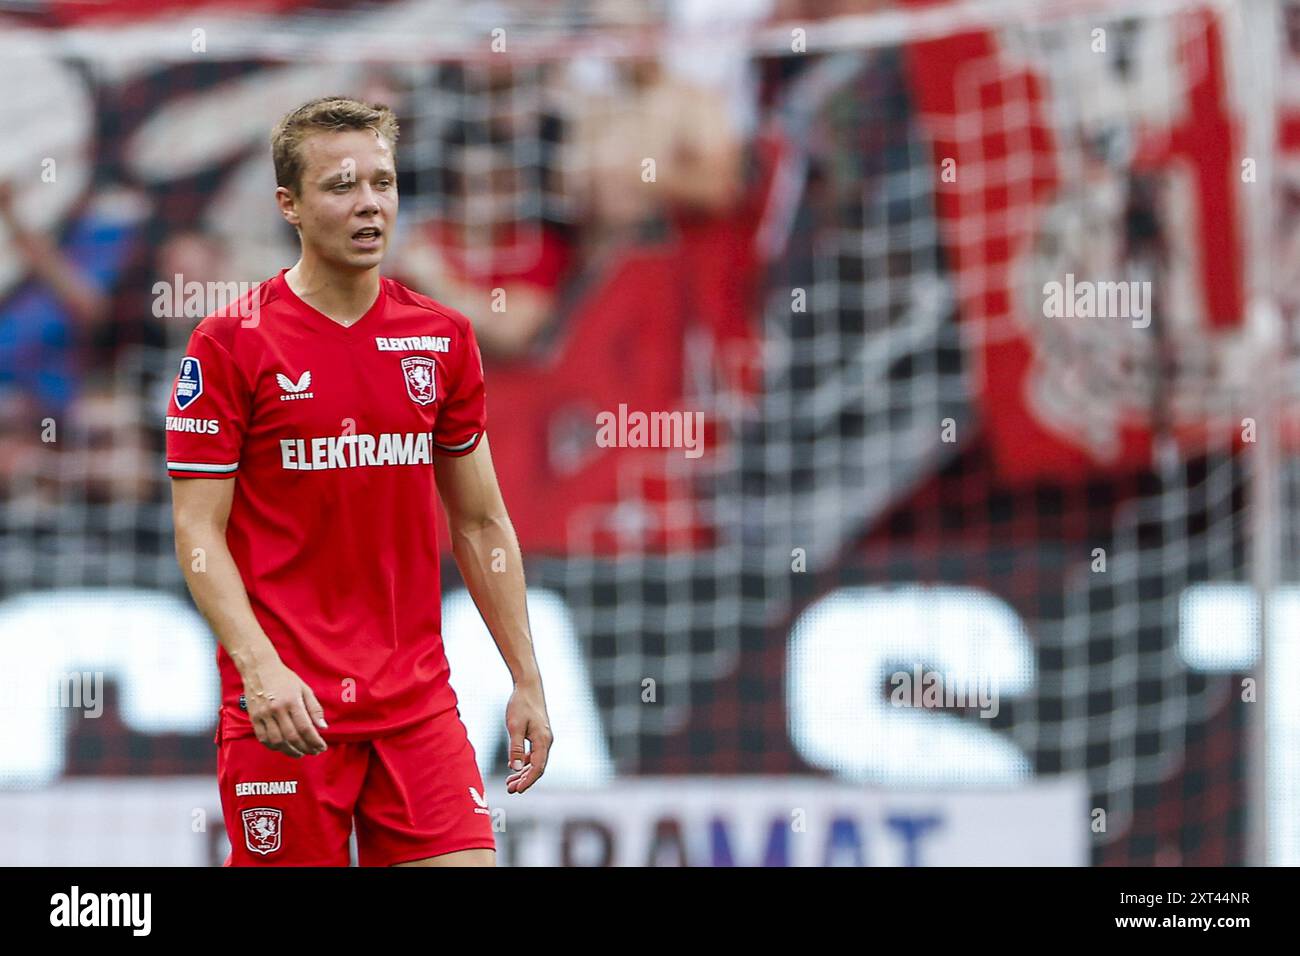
(526, 720)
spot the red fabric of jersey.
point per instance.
(330, 434)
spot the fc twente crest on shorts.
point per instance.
(418, 372)
(262, 828)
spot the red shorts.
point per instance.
(414, 794)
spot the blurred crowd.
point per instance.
(528, 179)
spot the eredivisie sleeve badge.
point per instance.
(189, 384)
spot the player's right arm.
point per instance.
(207, 419)
(281, 706)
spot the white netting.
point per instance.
(903, 283)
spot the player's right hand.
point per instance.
(284, 710)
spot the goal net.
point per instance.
(925, 346)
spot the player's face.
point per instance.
(348, 203)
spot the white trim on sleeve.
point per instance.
(461, 447)
(201, 466)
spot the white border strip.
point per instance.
(200, 466)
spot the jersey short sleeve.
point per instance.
(462, 416)
(207, 414)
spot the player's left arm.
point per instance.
(482, 539)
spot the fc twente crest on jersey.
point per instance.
(418, 372)
(262, 828)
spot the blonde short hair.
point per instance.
(324, 114)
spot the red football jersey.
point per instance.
(330, 434)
